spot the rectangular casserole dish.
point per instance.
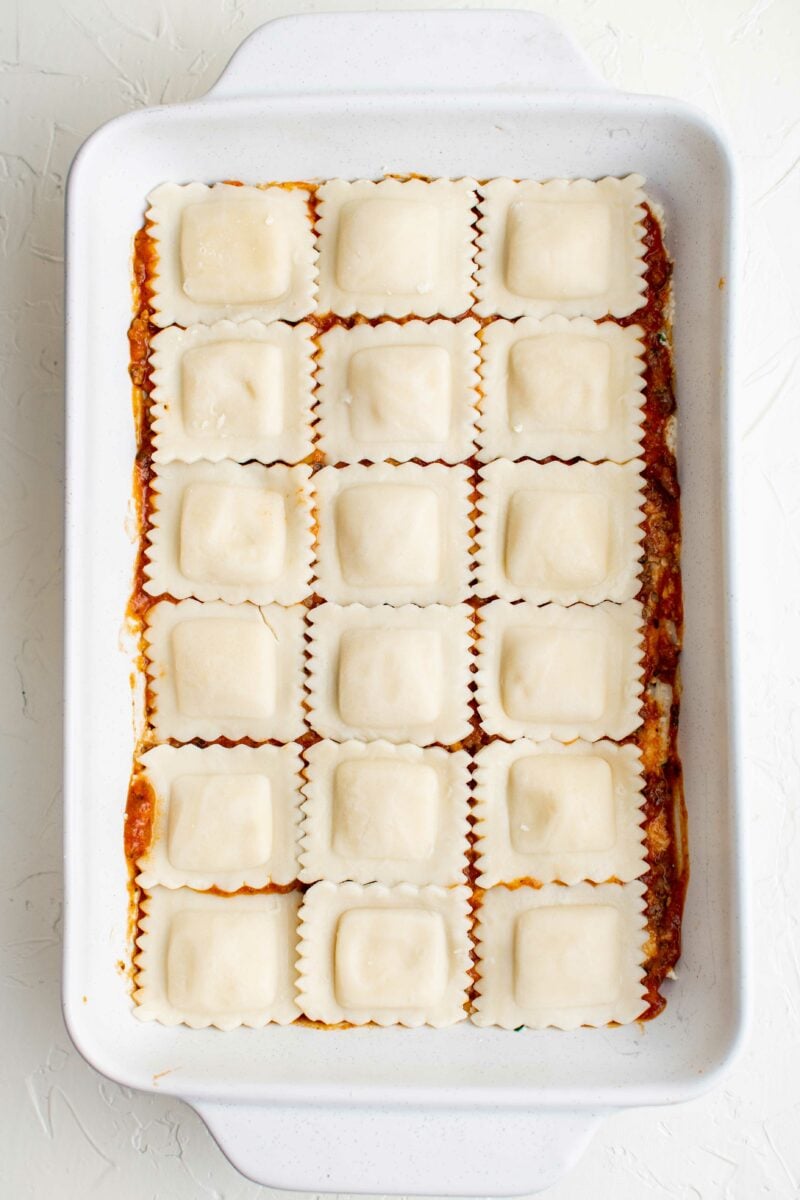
(473, 1111)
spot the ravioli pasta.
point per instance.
(225, 818)
(221, 670)
(396, 248)
(560, 672)
(232, 391)
(378, 812)
(211, 960)
(561, 956)
(409, 603)
(568, 247)
(549, 532)
(221, 531)
(395, 673)
(398, 391)
(391, 956)
(554, 813)
(232, 253)
(397, 533)
(561, 388)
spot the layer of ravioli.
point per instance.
(411, 720)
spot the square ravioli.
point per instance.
(396, 247)
(393, 534)
(232, 391)
(573, 247)
(561, 956)
(401, 674)
(217, 960)
(562, 389)
(388, 956)
(552, 532)
(550, 813)
(382, 813)
(398, 391)
(561, 673)
(231, 252)
(221, 670)
(225, 817)
(226, 532)
(222, 531)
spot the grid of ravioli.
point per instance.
(407, 700)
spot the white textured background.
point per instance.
(65, 67)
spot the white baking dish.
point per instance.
(462, 1111)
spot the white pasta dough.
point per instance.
(394, 495)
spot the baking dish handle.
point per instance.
(400, 1151)
(406, 52)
